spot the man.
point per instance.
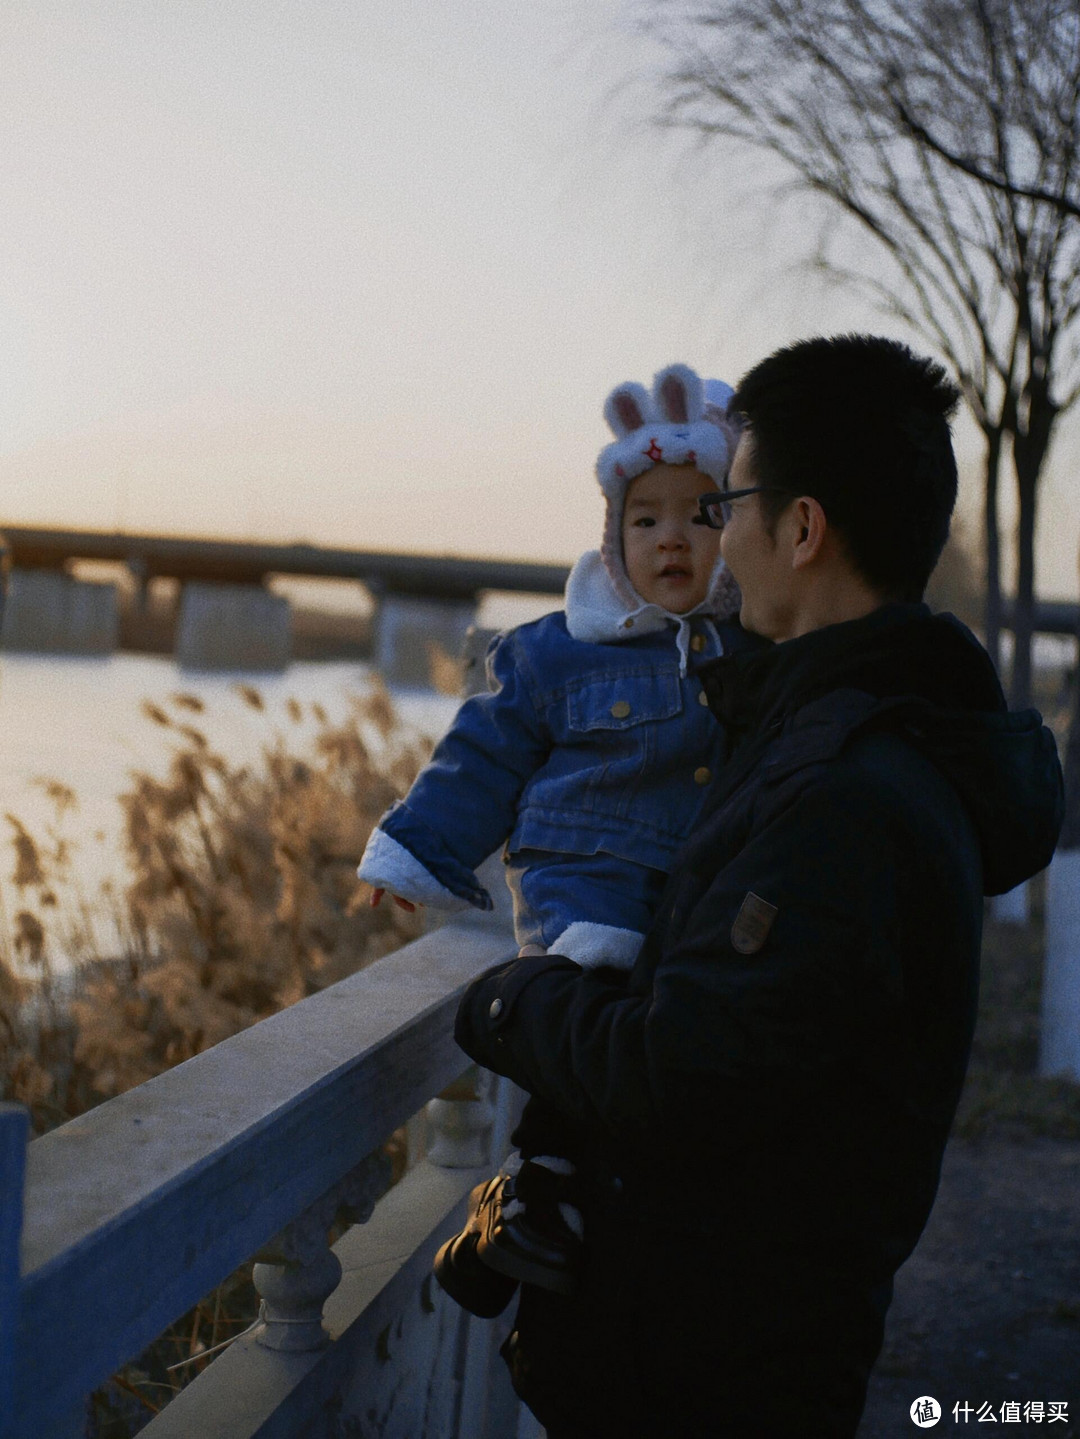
(764, 1103)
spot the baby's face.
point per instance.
(668, 550)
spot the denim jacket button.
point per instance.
(495, 1008)
(628, 624)
(702, 775)
(697, 644)
(703, 698)
(620, 709)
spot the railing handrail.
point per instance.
(135, 1210)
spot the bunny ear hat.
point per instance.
(683, 421)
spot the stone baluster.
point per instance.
(469, 1127)
(297, 1271)
(460, 1121)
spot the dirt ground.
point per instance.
(987, 1310)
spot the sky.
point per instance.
(363, 275)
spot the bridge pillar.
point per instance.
(232, 627)
(50, 612)
(410, 630)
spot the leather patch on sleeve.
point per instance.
(752, 923)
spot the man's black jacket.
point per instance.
(762, 1105)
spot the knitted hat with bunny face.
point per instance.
(682, 422)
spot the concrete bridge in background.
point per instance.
(228, 617)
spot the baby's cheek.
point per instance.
(708, 546)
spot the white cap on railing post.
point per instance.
(297, 1271)
(14, 1130)
(1060, 1041)
(460, 1121)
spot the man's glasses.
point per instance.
(715, 507)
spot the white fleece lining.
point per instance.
(390, 866)
(555, 1162)
(595, 613)
(592, 945)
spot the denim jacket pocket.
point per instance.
(620, 703)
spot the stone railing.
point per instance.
(133, 1212)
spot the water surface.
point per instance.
(80, 721)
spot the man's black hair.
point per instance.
(861, 424)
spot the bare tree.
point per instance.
(947, 133)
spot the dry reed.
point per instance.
(237, 897)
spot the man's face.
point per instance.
(758, 562)
(669, 551)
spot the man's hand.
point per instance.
(377, 894)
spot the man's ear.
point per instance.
(809, 529)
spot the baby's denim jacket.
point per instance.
(579, 747)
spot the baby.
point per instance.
(589, 761)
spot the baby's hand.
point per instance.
(377, 894)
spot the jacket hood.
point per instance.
(1005, 768)
(928, 677)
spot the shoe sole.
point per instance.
(513, 1266)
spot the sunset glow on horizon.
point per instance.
(363, 277)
